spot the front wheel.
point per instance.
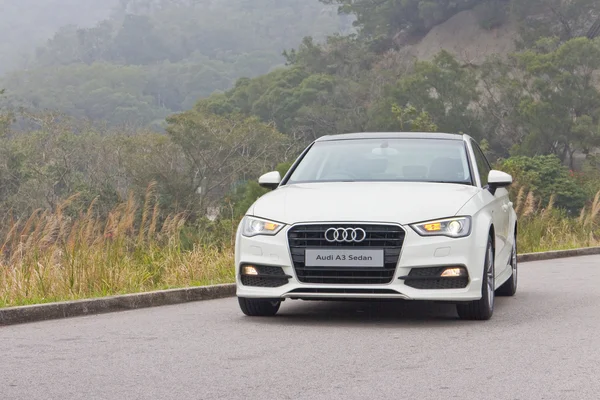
(482, 309)
(259, 307)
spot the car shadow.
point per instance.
(363, 313)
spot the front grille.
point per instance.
(272, 277)
(387, 237)
(428, 278)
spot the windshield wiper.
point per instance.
(452, 182)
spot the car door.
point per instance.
(498, 206)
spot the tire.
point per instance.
(258, 307)
(483, 309)
(509, 288)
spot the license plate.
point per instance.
(343, 258)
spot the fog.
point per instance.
(24, 24)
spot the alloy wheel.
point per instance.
(490, 277)
(514, 264)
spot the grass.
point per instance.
(56, 256)
(68, 254)
(544, 229)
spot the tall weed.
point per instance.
(55, 256)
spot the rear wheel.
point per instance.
(259, 307)
(484, 308)
(509, 288)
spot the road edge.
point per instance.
(78, 308)
(551, 255)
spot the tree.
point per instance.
(565, 20)
(154, 57)
(244, 195)
(546, 177)
(5, 118)
(219, 151)
(382, 20)
(411, 120)
(443, 90)
(546, 98)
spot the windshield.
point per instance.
(396, 160)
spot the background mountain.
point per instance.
(137, 61)
(25, 24)
(238, 87)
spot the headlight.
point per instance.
(452, 227)
(252, 226)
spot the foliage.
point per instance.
(383, 19)
(242, 198)
(6, 118)
(588, 177)
(52, 256)
(52, 157)
(442, 89)
(493, 13)
(220, 150)
(411, 120)
(542, 100)
(548, 228)
(545, 99)
(565, 20)
(546, 178)
(25, 24)
(150, 58)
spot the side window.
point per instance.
(482, 164)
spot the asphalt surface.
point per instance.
(542, 344)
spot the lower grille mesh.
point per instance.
(272, 280)
(425, 278)
(258, 281)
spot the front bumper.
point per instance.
(417, 252)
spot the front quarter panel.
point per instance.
(483, 207)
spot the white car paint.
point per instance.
(377, 202)
(388, 203)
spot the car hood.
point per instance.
(398, 202)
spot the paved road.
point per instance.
(542, 344)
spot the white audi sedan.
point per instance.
(412, 216)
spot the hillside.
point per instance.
(152, 58)
(25, 24)
(211, 78)
(463, 36)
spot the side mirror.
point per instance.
(270, 180)
(498, 179)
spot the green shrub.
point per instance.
(240, 200)
(589, 176)
(545, 176)
(492, 14)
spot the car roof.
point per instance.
(392, 135)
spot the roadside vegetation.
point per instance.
(104, 190)
(74, 254)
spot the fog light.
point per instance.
(454, 272)
(249, 270)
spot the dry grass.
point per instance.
(60, 256)
(551, 229)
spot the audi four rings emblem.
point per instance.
(345, 235)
